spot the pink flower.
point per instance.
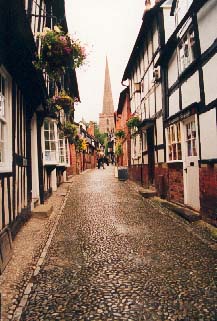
(67, 50)
(83, 51)
(63, 39)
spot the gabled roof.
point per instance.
(148, 15)
(121, 101)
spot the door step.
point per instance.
(42, 211)
(186, 213)
(35, 202)
(147, 193)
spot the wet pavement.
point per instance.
(117, 256)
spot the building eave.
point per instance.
(140, 38)
(169, 47)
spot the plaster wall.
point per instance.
(174, 103)
(190, 90)
(158, 97)
(159, 124)
(207, 24)
(208, 135)
(169, 22)
(210, 79)
(161, 156)
(172, 70)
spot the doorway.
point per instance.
(151, 161)
(191, 167)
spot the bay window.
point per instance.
(50, 141)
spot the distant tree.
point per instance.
(102, 138)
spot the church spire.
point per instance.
(108, 106)
(106, 118)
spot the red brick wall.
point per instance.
(208, 192)
(145, 175)
(175, 182)
(72, 169)
(135, 173)
(161, 180)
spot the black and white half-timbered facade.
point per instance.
(189, 61)
(29, 137)
(145, 84)
(172, 79)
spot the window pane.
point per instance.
(47, 145)
(52, 136)
(194, 147)
(46, 124)
(46, 135)
(179, 151)
(174, 151)
(53, 146)
(189, 148)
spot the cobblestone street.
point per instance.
(117, 256)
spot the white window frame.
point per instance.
(186, 50)
(61, 149)
(51, 156)
(191, 139)
(6, 122)
(173, 142)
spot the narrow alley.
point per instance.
(116, 256)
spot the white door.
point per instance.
(191, 168)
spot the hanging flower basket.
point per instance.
(120, 134)
(70, 131)
(52, 109)
(58, 50)
(134, 121)
(65, 101)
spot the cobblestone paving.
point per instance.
(115, 256)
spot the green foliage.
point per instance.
(58, 49)
(134, 122)
(102, 138)
(120, 134)
(70, 131)
(118, 149)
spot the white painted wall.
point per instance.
(34, 151)
(161, 156)
(158, 98)
(169, 22)
(152, 104)
(172, 69)
(190, 90)
(210, 79)
(207, 24)
(155, 37)
(208, 134)
(54, 180)
(159, 124)
(174, 103)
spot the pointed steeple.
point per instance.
(106, 118)
(108, 106)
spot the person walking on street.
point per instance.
(101, 160)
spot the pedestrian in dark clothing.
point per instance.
(106, 161)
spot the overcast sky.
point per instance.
(108, 28)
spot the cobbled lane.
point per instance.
(116, 256)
